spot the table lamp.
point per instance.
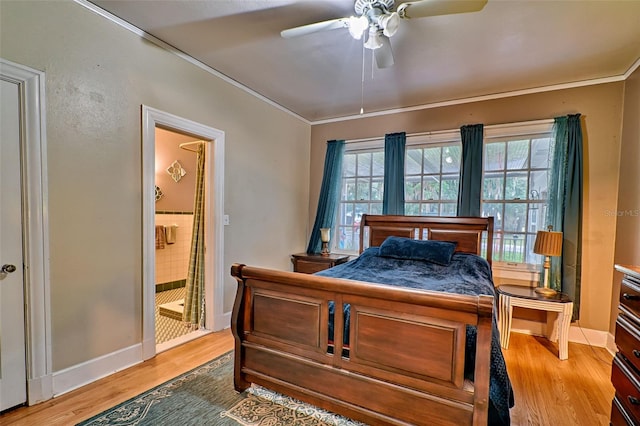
(548, 243)
(325, 236)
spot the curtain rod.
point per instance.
(442, 132)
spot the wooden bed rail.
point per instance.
(402, 362)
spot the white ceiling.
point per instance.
(510, 45)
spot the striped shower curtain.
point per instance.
(194, 298)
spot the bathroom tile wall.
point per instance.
(173, 260)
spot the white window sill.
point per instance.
(516, 272)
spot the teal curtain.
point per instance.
(329, 193)
(393, 189)
(565, 206)
(193, 312)
(470, 191)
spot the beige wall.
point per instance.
(628, 210)
(601, 106)
(97, 77)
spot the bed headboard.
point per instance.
(466, 231)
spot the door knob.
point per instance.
(7, 269)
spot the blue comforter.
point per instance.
(466, 274)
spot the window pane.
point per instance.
(349, 165)
(412, 209)
(364, 164)
(430, 209)
(448, 209)
(377, 189)
(493, 186)
(537, 215)
(363, 189)
(375, 208)
(451, 159)
(349, 189)
(449, 188)
(378, 163)
(495, 210)
(494, 156)
(346, 214)
(412, 188)
(413, 162)
(540, 153)
(515, 215)
(513, 248)
(431, 160)
(516, 186)
(518, 155)
(431, 188)
(538, 184)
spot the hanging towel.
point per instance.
(170, 232)
(160, 237)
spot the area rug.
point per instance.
(205, 396)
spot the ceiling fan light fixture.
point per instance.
(357, 26)
(374, 42)
(389, 23)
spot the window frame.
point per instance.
(512, 132)
(492, 133)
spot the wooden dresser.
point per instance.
(625, 370)
(311, 263)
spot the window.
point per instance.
(432, 177)
(515, 190)
(361, 192)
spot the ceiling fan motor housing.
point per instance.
(362, 6)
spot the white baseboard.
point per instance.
(577, 334)
(222, 321)
(82, 374)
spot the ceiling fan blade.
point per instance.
(384, 54)
(424, 8)
(318, 26)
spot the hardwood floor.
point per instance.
(548, 391)
(85, 402)
(577, 391)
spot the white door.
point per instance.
(13, 381)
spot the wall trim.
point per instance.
(87, 372)
(36, 228)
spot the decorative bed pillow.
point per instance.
(438, 252)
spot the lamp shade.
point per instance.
(325, 234)
(548, 243)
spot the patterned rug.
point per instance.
(205, 396)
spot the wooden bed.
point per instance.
(391, 374)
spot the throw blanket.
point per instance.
(466, 274)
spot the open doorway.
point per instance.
(176, 174)
(170, 210)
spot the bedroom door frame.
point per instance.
(214, 230)
(33, 147)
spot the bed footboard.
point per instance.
(404, 361)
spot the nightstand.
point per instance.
(526, 297)
(311, 263)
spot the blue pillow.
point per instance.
(438, 252)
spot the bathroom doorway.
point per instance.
(170, 163)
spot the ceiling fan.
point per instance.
(377, 21)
